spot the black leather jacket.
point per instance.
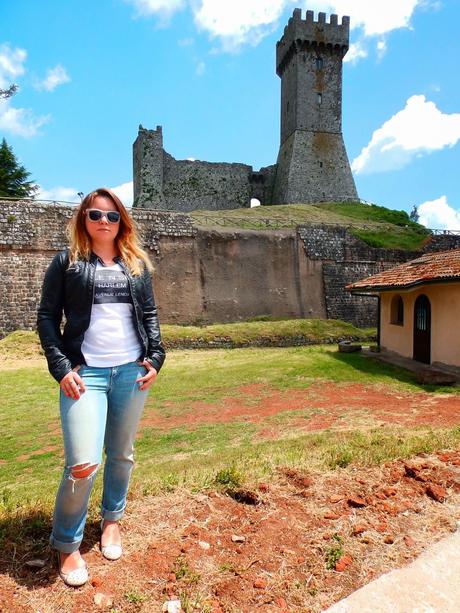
(70, 290)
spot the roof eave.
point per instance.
(407, 286)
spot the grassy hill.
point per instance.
(260, 331)
(375, 225)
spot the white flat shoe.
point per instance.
(75, 578)
(111, 552)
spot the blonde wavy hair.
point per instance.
(126, 241)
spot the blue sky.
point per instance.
(90, 72)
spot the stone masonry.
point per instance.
(344, 259)
(161, 182)
(206, 275)
(31, 233)
(312, 164)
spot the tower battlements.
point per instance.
(312, 163)
(307, 33)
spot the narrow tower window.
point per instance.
(320, 97)
(319, 63)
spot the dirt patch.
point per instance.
(311, 540)
(8, 363)
(326, 406)
(38, 452)
(331, 406)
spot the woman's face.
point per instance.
(102, 231)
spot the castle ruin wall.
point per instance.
(345, 259)
(163, 183)
(206, 275)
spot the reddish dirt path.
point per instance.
(182, 544)
(326, 405)
(275, 556)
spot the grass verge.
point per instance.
(195, 456)
(259, 331)
(375, 225)
(265, 331)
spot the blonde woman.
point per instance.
(105, 360)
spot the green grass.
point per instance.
(411, 239)
(371, 212)
(375, 225)
(266, 330)
(20, 345)
(205, 455)
(262, 330)
(335, 552)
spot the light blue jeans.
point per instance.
(106, 417)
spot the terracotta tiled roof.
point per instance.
(430, 267)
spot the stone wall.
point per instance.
(163, 183)
(32, 233)
(204, 275)
(312, 163)
(224, 276)
(443, 242)
(345, 259)
(201, 276)
(188, 185)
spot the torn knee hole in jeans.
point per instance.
(82, 471)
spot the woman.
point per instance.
(105, 360)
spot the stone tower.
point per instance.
(312, 161)
(148, 168)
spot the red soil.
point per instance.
(182, 545)
(327, 405)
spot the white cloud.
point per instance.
(13, 120)
(60, 194)
(377, 17)
(355, 53)
(70, 194)
(200, 68)
(54, 77)
(418, 129)
(238, 22)
(381, 48)
(162, 8)
(233, 23)
(125, 193)
(185, 42)
(439, 214)
(247, 21)
(11, 64)
(18, 121)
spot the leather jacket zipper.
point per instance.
(134, 304)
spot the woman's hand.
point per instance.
(147, 380)
(72, 384)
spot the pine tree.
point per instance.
(13, 177)
(7, 93)
(414, 215)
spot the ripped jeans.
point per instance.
(106, 416)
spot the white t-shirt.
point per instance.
(111, 339)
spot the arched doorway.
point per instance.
(422, 330)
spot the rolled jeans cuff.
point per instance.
(64, 547)
(112, 515)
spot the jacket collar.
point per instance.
(93, 258)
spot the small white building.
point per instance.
(419, 307)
